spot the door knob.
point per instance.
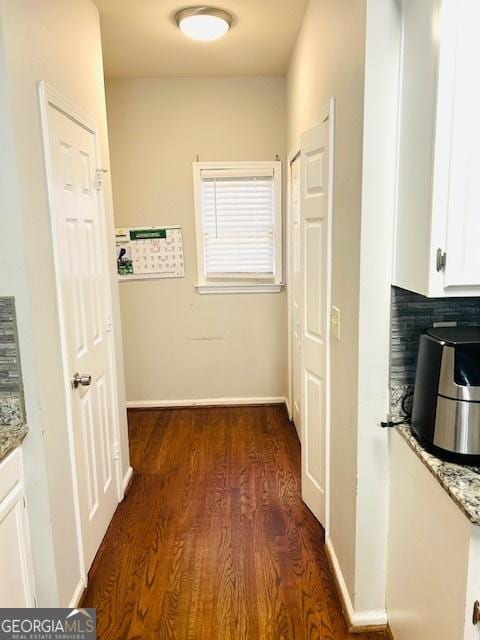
(81, 380)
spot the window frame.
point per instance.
(248, 283)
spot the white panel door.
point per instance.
(463, 227)
(315, 257)
(296, 295)
(81, 249)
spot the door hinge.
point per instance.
(24, 502)
(476, 612)
(116, 451)
(441, 260)
(99, 178)
(108, 324)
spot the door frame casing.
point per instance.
(292, 156)
(328, 113)
(48, 96)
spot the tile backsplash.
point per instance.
(411, 315)
(11, 388)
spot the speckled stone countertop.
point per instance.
(462, 483)
(12, 425)
(11, 437)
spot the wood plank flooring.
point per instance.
(213, 541)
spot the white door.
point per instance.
(80, 247)
(296, 293)
(316, 174)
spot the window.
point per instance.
(239, 226)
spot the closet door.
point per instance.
(315, 221)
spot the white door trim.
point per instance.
(49, 96)
(329, 114)
(291, 157)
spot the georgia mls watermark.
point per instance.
(48, 624)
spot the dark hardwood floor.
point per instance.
(213, 540)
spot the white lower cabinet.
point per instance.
(433, 576)
(16, 576)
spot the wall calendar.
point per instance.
(149, 252)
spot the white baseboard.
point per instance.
(77, 594)
(203, 402)
(289, 409)
(355, 618)
(126, 479)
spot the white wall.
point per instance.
(58, 42)
(328, 60)
(14, 281)
(349, 50)
(179, 344)
(383, 35)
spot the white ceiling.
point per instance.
(141, 39)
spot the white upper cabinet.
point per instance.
(438, 208)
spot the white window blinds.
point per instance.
(238, 220)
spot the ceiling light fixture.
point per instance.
(203, 23)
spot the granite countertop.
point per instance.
(12, 425)
(11, 437)
(461, 482)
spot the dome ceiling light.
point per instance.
(203, 23)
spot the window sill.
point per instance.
(238, 288)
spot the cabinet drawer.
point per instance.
(10, 472)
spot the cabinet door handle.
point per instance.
(441, 260)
